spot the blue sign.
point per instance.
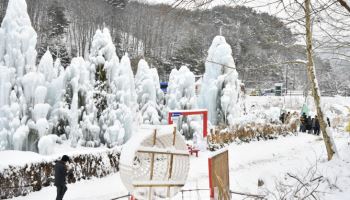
(175, 114)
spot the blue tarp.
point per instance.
(164, 86)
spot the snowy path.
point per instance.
(266, 160)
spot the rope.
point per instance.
(232, 192)
(128, 195)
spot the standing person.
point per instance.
(282, 117)
(302, 122)
(329, 122)
(313, 128)
(317, 126)
(308, 124)
(288, 117)
(60, 177)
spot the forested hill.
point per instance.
(169, 37)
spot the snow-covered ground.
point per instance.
(269, 161)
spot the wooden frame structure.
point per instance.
(219, 176)
(153, 151)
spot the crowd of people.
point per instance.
(307, 124)
(284, 117)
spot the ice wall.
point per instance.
(220, 90)
(119, 112)
(181, 96)
(17, 38)
(17, 58)
(148, 92)
(30, 95)
(181, 90)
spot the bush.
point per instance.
(251, 131)
(21, 180)
(347, 128)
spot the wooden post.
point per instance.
(152, 164)
(154, 137)
(171, 161)
(210, 178)
(152, 154)
(174, 136)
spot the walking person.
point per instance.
(60, 177)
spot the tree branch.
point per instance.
(344, 4)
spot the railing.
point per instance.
(255, 196)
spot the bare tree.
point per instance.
(330, 146)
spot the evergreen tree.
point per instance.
(53, 34)
(191, 54)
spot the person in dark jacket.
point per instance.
(317, 126)
(309, 124)
(283, 117)
(329, 122)
(60, 177)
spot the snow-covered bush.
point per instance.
(348, 127)
(221, 89)
(36, 175)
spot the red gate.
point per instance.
(204, 112)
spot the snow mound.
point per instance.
(47, 144)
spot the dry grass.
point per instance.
(252, 131)
(347, 128)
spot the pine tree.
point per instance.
(190, 54)
(53, 34)
(101, 89)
